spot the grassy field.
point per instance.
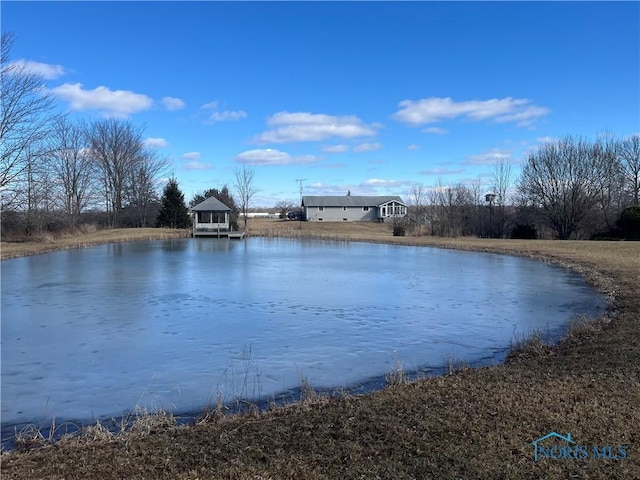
(470, 423)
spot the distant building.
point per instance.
(352, 208)
(262, 215)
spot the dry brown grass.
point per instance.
(471, 423)
(49, 243)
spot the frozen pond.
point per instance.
(89, 334)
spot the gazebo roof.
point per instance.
(211, 204)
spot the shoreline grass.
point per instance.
(48, 243)
(471, 423)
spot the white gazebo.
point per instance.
(211, 218)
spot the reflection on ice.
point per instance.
(177, 324)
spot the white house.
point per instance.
(353, 208)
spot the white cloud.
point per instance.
(489, 158)
(219, 116)
(442, 171)
(309, 127)
(367, 147)
(437, 109)
(194, 162)
(524, 117)
(335, 148)
(546, 139)
(269, 156)
(378, 182)
(413, 146)
(191, 156)
(173, 103)
(435, 131)
(45, 70)
(227, 115)
(112, 103)
(196, 165)
(156, 143)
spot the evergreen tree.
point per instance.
(174, 213)
(629, 222)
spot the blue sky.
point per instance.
(359, 96)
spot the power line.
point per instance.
(300, 180)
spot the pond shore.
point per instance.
(471, 423)
(13, 249)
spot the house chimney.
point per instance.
(348, 193)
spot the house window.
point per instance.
(365, 209)
(344, 219)
(384, 211)
(321, 209)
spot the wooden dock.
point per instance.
(219, 233)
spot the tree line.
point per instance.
(52, 170)
(571, 188)
(57, 174)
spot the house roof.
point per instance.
(349, 201)
(211, 204)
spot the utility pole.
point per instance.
(300, 180)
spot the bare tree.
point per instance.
(476, 189)
(438, 202)
(501, 180)
(142, 186)
(628, 151)
(462, 211)
(417, 200)
(245, 189)
(34, 194)
(284, 207)
(611, 184)
(72, 168)
(563, 179)
(26, 112)
(451, 209)
(116, 146)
